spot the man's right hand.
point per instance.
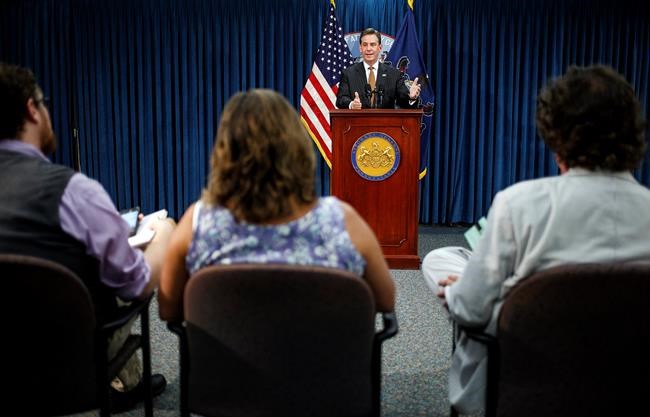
(356, 103)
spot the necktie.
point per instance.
(371, 81)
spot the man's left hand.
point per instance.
(414, 91)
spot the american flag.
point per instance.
(319, 94)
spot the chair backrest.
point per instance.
(573, 340)
(56, 352)
(49, 337)
(271, 340)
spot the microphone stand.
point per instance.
(368, 94)
(374, 93)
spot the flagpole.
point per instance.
(318, 96)
(410, 4)
(407, 55)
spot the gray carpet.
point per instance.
(415, 362)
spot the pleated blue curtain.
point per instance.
(145, 81)
(383, 15)
(36, 35)
(488, 61)
(153, 77)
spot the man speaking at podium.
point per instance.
(373, 84)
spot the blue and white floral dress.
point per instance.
(318, 238)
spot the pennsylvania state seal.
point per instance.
(375, 156)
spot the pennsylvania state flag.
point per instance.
(405, 55)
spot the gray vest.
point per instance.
(30, 195)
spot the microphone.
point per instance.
(368, 91)
(380, 96)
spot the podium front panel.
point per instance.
(365, 143)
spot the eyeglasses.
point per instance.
(44, 100)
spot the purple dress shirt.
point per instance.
(87, 214)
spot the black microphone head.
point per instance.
(367, 89)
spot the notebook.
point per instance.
(473, 234)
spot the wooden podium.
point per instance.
(375, 168)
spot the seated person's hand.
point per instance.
(163, 227)
(445, 283)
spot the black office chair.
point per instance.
(280, 340)
(572, 341)
(55, 354)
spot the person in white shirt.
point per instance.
(594, 212)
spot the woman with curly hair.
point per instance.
(260, 207)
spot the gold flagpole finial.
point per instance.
(333, 3)
(410, 2)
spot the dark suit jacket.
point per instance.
(354, 80)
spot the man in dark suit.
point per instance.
(370, 83)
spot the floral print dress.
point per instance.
(318, 238)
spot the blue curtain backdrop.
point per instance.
(37, 35)
(144, 81)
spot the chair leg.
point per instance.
(146, 363)
(103, 388)
(454, 335)
(184, 374)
